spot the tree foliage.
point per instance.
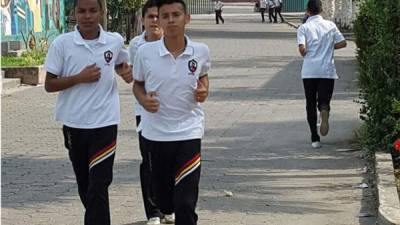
(377, 29)
(121, 15)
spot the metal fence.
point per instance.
(200, 6)
(294, 5)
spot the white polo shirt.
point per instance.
(218, 5)
(271, 4)
(179, 117)
(319, 37)
(134, 45)
(263, 4)
(87, 105)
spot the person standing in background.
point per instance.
(218, 11)
(278, 9)
(271, 11)
(263, 8)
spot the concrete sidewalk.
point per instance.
(256, 145)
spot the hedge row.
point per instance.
(377, 31)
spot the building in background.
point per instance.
(21, 17)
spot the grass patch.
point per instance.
(27, 59)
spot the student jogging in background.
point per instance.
(317, 39)
(171, 80)
(80, 65)
(152, 32)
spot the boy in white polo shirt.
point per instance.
(152, 32)
(317, 39)
(80, 65)
(171, 80)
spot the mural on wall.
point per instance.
(69, 12)
(23, 16)
(6, 19)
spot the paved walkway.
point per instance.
(256, 143)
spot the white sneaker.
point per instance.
(169, 219)
(316, 144)
(153, 221)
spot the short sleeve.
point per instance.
(337, 35)
(123, 55)
(54, 59)
(207, 64)
(139, 67)
(132, 49)
(301, 36)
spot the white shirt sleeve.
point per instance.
(301, 36)
(207, 64)
(337, 35)
(54, 59)
(123, 55)
(139, 67)
(132, 49)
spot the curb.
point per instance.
(389, 203)
(292, 24)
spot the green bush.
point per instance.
(377, 29)
(30, 58)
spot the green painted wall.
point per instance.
(294, 5)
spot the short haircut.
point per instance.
(98, 1)
(147, 5)
(165, 2)
(314, 7)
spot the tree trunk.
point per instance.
(129, 25)
(104, 19)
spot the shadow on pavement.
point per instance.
(278, 86)
(40, 180)
(226, 35)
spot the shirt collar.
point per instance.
(78, 39)
(315, 17)
(143, 37)
(189, 49)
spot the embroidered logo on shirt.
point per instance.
(192, 65)
(108, 55)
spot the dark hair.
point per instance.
(314, 7)
(147, 5)
(98, 1)
(164, 2)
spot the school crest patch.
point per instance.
(192, 65)
(108, 56)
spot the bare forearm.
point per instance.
(204, 81)
(340, 45)
(302, 50)
(54, 83)
(139, 91)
